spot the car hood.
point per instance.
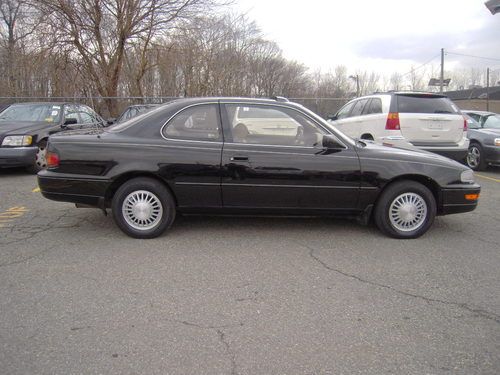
(493, 132)
(24, 127)
(412, 155)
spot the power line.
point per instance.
(421, 66)
(477, 57)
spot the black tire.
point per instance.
(475, 157)
(159, 213)
(419, 201)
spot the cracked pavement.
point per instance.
(246, 295)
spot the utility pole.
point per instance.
(356, 78)
(441, 79)
(487, 89)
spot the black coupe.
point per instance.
(249, 156)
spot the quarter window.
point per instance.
(269, 125)
(200, 123)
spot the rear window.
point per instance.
(425, 104)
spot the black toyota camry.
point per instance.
(242, 156)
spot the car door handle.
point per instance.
(239, 158)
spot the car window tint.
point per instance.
(375, 106)
(357, 109)
(492, 121)
(425, 104)
(344, 111)
(269, 125)
(199, 123)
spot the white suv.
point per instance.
(406, 119)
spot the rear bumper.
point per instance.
(17, 156)
(86, 191)
(453, 199)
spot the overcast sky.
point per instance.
(382, 36)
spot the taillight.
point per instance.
(392, 121)
(52, 159)
(465, 124)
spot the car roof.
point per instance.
(47, 103)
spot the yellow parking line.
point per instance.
(488, 178)
(36, 190)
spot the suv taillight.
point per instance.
(392, 121)
(52, 159)
(465, 124)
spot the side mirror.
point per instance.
(111, 120)
(333, 117)
(331, 143)
(70, 121)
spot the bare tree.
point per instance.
(101, 30)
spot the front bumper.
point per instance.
(492, 154)
(85, 191)
(17, 156)
(453, 199)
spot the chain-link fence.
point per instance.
(321, 106)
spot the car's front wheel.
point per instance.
(475, 157)
(143, 208)
(406, 209)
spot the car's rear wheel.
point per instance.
(406, 209)
(475, 157)
(143, 208)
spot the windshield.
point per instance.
(32, 113)
(492, 122)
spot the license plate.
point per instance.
(435, 126)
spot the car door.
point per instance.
(264, 169)
(192, 156)
(351, 124)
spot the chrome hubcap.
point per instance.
(473, 157)
(142, 210)
(408, 212)
(40, 158)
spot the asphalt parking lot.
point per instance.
(246, 295)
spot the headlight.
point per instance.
(497, 141)
(467, 176)
(17, 140)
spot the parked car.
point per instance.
(484, 135)
(25, 128)
(132, 111)
(426, 121)
(183, 157)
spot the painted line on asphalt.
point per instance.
(7, 216)
(488, 178)
(36, 190)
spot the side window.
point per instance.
(70, 112)
(200, 123)
(344, 111)
(357, 109)
(373, 107)
(268, 125)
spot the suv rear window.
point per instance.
(425, 104)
